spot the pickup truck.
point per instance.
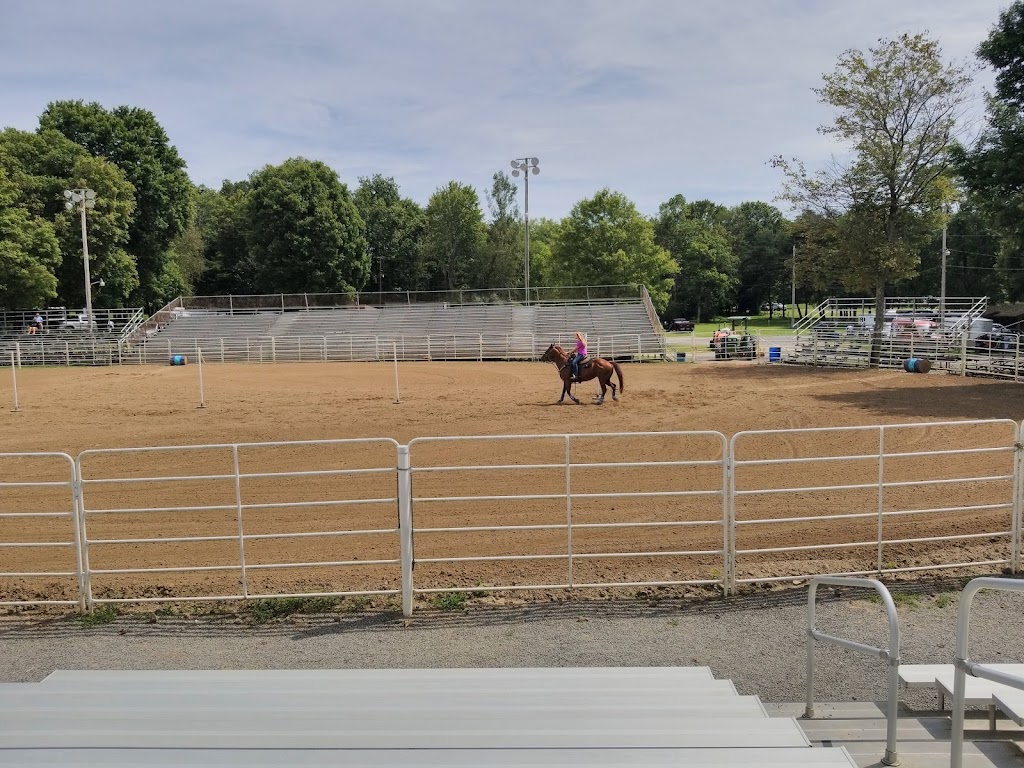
(79, 323)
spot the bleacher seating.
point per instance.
(398, 717)
(435, 331)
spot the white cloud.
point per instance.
(649, 97)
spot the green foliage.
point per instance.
(449, 601)
(303, 230)
(760, 240)
(394, 227)
(455, 237)
(993, 169)
(896, 110)
(280, 607)
(605, 241)
(29, 253)
(221, 218)
(43, 165)
(700, 246)
(104, 614)
(501, 264)
(133, 140)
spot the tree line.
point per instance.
(869, 222)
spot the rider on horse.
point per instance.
(579, 355)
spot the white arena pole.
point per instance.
(199, 359)
(14, 380)
(394, 349)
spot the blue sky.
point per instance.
(648, 97)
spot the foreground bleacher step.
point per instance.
(445, 675)
(342, 704)
(922, 740)
(467, 758)
(388, 730)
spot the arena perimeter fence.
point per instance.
(333, 518)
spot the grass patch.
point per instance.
(899, 599)
(449, 601)
(104, 614)
(280, 607)
(357, 603)
(945, 599)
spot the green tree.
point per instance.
(760, 240)
(41, 166)
(993, 169)
(605, 241)
(394, 226)
(897, 110)
(543, 236)
(455, 237)
(304, 232)
(222, 221)
(501, 265)
(706, 281)
(29, 253)
(132, 139)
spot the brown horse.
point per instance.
(591, 368)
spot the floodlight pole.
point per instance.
(942, 289)
(84, 198)
(526, 165)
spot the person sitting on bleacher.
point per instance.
(36, 326)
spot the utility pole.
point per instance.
(793, 298)
(942, 288)
(525, 165)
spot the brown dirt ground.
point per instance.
(79, 409)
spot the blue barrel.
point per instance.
(680, 357)
(916, 365)
(178, 360)
(774, 354)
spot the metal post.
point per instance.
(792, 321)
(526, 220)
(199, 360)
(394, 349)
(568, 509)
(88, 279)
(14, 381)
(405, 526)
(241, 526)
(942, 289)
(881, 493)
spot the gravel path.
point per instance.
(756, 640)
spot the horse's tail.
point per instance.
(622, 387)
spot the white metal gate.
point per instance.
(881, 499)
(477, 506)
(246, 526)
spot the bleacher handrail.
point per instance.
(891, 655)
(283, 302)
(963, 664)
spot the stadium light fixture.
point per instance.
(526, 166)
(84, 199)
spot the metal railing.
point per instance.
(538, 485)
(668, 508)
(965, 666)
(855, 488)
(283, 302)
(39, 501)
(137, 493)
(890, 655)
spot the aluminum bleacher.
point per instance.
(623, 328)
(398, 717)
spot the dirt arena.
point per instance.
(83, 409)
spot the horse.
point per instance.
(591, 368)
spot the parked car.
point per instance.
(681, 324)
(79, 323)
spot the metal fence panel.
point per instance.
(570, 511)
(238, 521)
(873, 500)
(40, 545)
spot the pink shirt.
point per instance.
(581, 348)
